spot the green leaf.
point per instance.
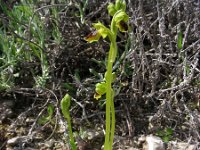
(35, 50)
(180, 40)
(160, 133)
(166, 139)
(169, 131)
(45, 119)
(69, 87)
(187, 69)
(50, 110)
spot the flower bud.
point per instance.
(100, 90)
(111, 9)
(120, 4)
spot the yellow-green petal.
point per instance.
(104, 31)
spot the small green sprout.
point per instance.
(65, 105)
(44, 119)
(166, 134)
(119, 22)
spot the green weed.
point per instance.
(65, 105)
(166, 134)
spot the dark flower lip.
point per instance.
(123, 25)
(91, 35)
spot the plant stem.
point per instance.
(113, 120)
(110, 110)
(72, 141)
(108, 103)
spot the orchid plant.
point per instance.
(119, 21)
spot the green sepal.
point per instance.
(121, 19)
(102, 30)
(123, 6)
(120, 16)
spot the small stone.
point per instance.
(186, 146)
(6, 110)
(16, 140)
(131, 148)
(30, 120)
(8, 103)
(50, 143)
(181, 146)
(142, 139)
(154, 143)
(92, 134)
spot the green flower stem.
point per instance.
(113, 120)
(110, 110)
(108, 103)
